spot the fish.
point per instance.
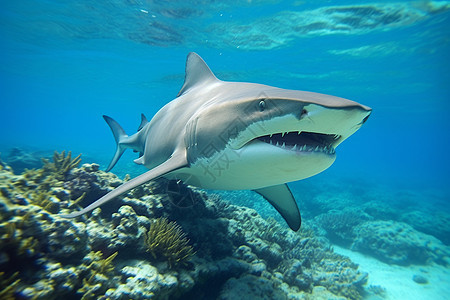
(226, 135)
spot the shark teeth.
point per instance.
(301, 141)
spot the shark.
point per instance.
(238, 136)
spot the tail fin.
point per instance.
(119, 136)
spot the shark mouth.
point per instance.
(302, 141)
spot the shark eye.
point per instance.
(262, 105)
(304, 113)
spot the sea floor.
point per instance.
(398, 280)
(237, 237)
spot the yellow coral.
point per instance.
(12, 238)
(99, 266)
(61, 164)
(36, 185)
(167, 240)
(8, 286)
(103, 266)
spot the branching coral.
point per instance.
(61, 164)
(15, 243)
(53, 172)
(37, 186)
(8, 286)
(167, 240)
(98, 271)
(100, 265)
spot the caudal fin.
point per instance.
(119, 136)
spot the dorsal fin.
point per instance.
(197, 72)
(144, 122)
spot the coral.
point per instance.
(251, 287)
(271, 252)
(8, 286)
(55, 280)
(307, 261)
(143, 282)
(74, 258)
(167, 240)
(434, 222)
(126, 228)
(38, 186)
(95, 281)
(90, 180)
(17, 245)
(339, 224)
(210, 275)
(209, 234)
(336, 274)
(61, 164)
(399, 243)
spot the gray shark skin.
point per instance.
(237, 135)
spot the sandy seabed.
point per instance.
(398, 280)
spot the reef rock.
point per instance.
(433, 223)
(399, 243)
(143, 281)
(104, 254)
(339, 225)
(251, 287)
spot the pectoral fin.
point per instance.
(282, 199)
(176, 161)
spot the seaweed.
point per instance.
(167, 240)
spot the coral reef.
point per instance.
(399, 243)
(105, 254)
(245, 288)
(339, 225)
(430, 222)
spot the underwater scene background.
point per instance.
(376, 224)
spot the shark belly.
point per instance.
(254, 167)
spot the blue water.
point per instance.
(64, 64)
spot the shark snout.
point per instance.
(366, 117)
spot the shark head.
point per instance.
(268, 134)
